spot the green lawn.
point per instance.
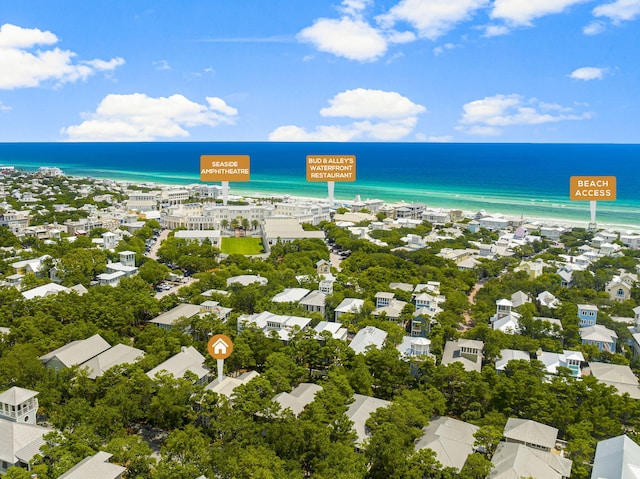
(241, 246)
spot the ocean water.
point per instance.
(516, 179)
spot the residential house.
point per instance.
(334, 329)
(213, 307)
(530, 433)
(167, 319)
(547, 300)
(45, 290)
(187, 360)
(598, 335)
(635, 331)
(519, 298)
(512, 460)
(315, 302)
(298, 398)
(494, 223)
(367, 337)
(279, 326)
(505, 319)
(75, 353)
(588, 314)
(125, 268)
(115, 356)
(19, 443)
(620, 286)
(391, 310)
(32, 266)
(566, 277)
(465, 351)
(228, 385)
(572, 360)
(359, 412)
(552, 233)
(290, 295)
(95, 467)
(631, 240)
(507, 355)
(348, 305)
(619, 376)
(412, 347)
(534, 269)
(617, 457)
(452, 441)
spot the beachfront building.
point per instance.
(630, 240)
(493, 223)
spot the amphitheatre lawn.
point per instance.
(245, 246)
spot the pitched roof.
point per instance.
(366, 337)
(77, 352)
(618, 457)
(452, 440)
(619, 376)
(297, 399)
(95, 467)
(188, 359)
(119, 354)
(185, 310)
(359, 411)
(527, 431)
(516, 460)
(228, 385)
(19, 441)
(16, 395)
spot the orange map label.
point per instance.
(220, 346)
(224, 168)
(331, 168)
(592, 188)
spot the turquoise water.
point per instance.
(516, 179)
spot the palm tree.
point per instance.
(224, 223)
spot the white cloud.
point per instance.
(439, 50)
(495, 30)
(523, 12)
(588, 73)
(4, 107)
(619, 10)
(350, 38)
(138, 117)
(162, 65)
(488, 115)
(431, 18)
(378, 115)
(354, 8)
(20, 67)
(363, 103)
(594, 28)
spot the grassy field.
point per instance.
(241, 246)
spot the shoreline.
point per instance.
(536, 220)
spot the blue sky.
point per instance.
(291, 70)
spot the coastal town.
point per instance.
(370, 339)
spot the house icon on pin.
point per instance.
(220, 346)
